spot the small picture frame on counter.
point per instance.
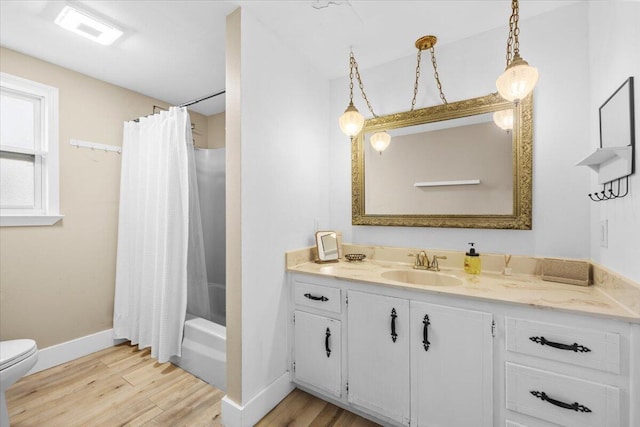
(327, 246)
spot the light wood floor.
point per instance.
(122, 386)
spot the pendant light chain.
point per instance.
(354, 64)
(435, 74)
(430, 41)
(513, 44)
(351, 61)
(415, 85)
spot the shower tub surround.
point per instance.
(204, 351)
(516, 349)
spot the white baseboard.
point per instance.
(234, 415)
(70, 350)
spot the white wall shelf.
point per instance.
(609, 163)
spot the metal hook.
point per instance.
(610, 193)
(626, 187)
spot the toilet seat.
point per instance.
(15, 351)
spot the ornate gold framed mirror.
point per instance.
(449, 165)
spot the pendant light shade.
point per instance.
(518, 80)
(351, 121)
(503, 119)
(380, 141)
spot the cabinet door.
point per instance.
(378, 354)
(317, 352)
(452, 366)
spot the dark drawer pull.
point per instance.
(326, 342)
(573, 347)
(315, 298)
(425, 332)
(394, 336)
(575, 406)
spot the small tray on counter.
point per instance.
(354, 257)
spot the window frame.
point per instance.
(46, 157)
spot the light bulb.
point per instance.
(351, 121)
(518, 80)
(380, 141)
(504, 119)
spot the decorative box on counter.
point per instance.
(565, 271)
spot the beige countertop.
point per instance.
(526, 289)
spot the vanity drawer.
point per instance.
(317, 296)
(561, 399)
(582, 347)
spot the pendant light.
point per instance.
(380, 141)
(351, 121)
(519, 78)
(504, 119)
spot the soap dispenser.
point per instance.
(472, 261)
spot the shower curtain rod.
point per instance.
(204, 98)
(186, 104)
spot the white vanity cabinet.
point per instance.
(408, 357)
(568, 373)
(378, 354)
(317, 352)
(451, 365)
(369, 349)
(317, 337)
(414, 360)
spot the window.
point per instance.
(28, 152)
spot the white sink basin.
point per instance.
(421, 277)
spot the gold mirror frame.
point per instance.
(519, 219)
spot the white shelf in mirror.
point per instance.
(446, 183)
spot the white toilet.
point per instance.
(16, 358)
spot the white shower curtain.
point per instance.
(160, 248)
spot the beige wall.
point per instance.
(233, 206)
(216, 127)
(200, 129)
(57, 282)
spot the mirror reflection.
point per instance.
(459, 166)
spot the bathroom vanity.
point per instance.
(420, 348)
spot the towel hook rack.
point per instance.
(609, 194)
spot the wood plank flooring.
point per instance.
(302, 409)
(123, 386)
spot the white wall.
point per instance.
(614, 41)
(556, 43)
(285, 111)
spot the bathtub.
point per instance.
(204, 351)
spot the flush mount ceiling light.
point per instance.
(519, 78)
(87, 26)
(351, 121)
